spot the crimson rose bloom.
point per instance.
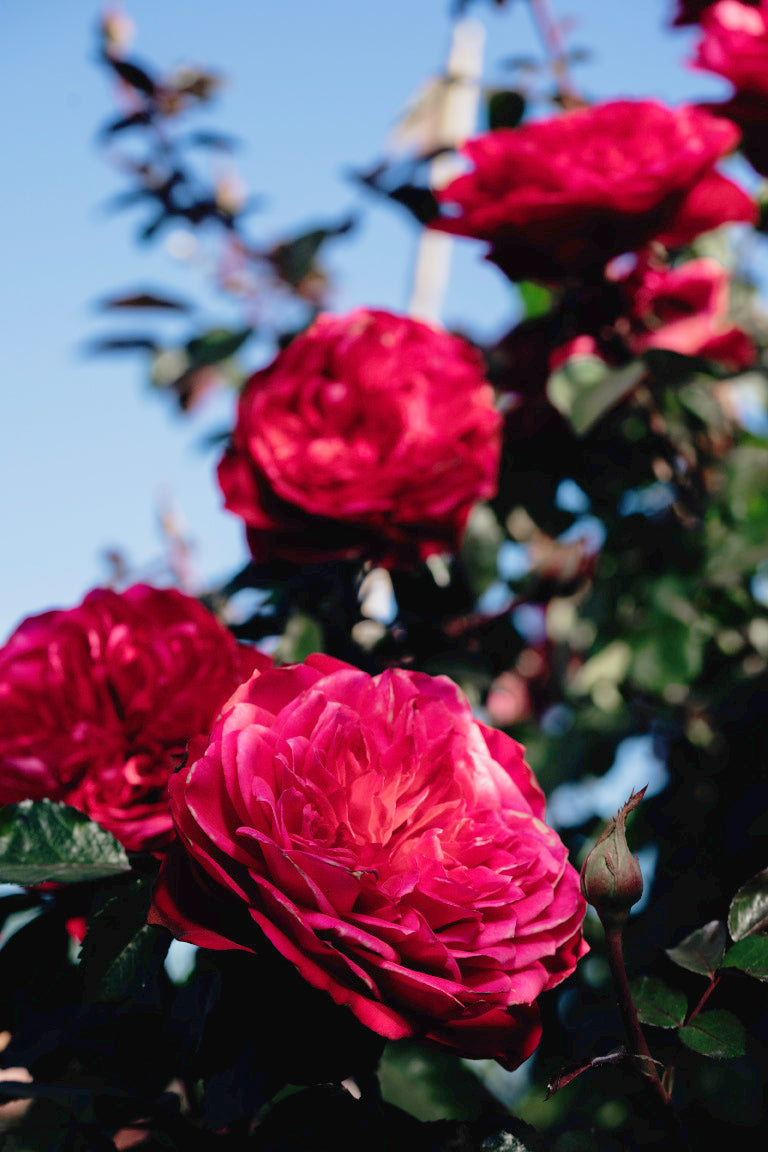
(387, 844)
(735, 45)
(685, 310)
(371, 434)
(97, 704)
(559, 197)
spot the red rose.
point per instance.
(559, 197)
(387, 844)
(685, 310)
(735, 45)
(97, 704)
(370, 435)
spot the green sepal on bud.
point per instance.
(611, 879)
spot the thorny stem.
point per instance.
(637, 1041)
(552, 39)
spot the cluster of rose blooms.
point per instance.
(385, 842)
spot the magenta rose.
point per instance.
(97, 704)
(560, 197)
(370, 435)
(685, 310)
(391, 847)
(734, 44)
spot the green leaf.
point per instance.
(133, 75)
(122, 955)
(294, 259)
(537, 300)
(585, 388)
(431, 1085)
(702, 951)
(658, 1005)
(217, 345)
(144, 300)
(717, 1034)
(303, 635)
(671, 652)
(41, 840)
(749, 908)
(505, 109)
(672, 368)
(749, 955)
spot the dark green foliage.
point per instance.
(44, 841)
(657, 1004)
(703, 950)
(749, 908)
(715, 1033)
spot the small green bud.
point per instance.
(611, 879)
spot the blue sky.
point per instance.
(312, 90)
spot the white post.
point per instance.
(456, 120)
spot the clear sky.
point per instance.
(313, 89)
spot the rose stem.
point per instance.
(553, 42)
(637, 1041)
(713, 983)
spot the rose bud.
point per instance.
(611, 879)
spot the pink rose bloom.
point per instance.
(560, 197)
(685, 310)
(387, 844)
(370, 435)
(97, 704)
(734, 44)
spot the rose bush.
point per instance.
(561, 197)
(371, 434)
(387, 844)
(682, 309)
(97, 704)
(734, 44)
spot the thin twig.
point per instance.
(552, 39)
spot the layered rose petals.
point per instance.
(560, 197)
(734, 44)
(685, 310)
(371, 434)
(97, 704)
(387, 844)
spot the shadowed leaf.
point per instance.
(294, 259)
(218, 141)
(749, 908)
(749, 955)
(505, 109)
(122, 954)
(717, 1034)
(657, 1004)
(217, 345)
(702, 951)
(41, 840)
(144, 300)
(585, 388)
(121, 344)
(134, 75)
(135, 120)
